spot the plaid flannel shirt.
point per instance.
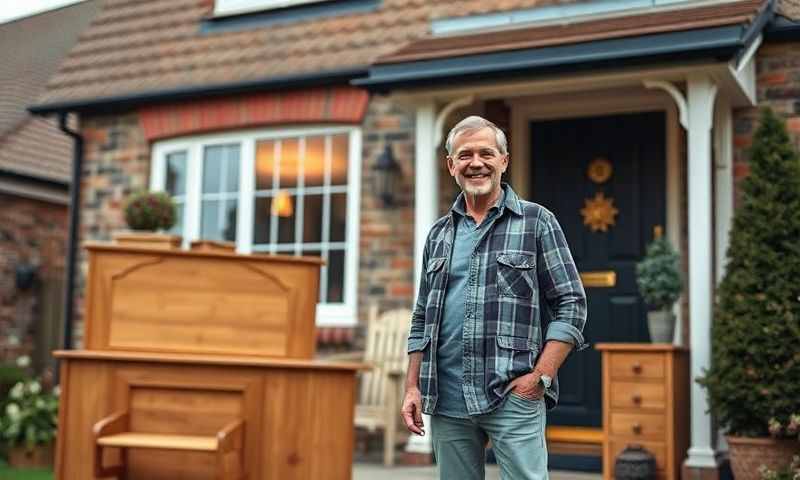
(522, 259)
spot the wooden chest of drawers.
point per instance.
(645, 402)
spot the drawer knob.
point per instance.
(637, 399)
(637, 368)
(637, 428)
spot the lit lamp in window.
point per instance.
(386, 176)
(282, 205)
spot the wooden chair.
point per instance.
(113, 432)
(380, 388)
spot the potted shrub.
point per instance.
(755, 365)
(658, 276)
(148, 215)
(28, 424)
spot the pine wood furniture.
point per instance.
(645, 402)
(199, 364)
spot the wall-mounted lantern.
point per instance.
(386, 176)
(25, 276)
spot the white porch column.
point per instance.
(723, 162)
(426, 211)
(701, 94)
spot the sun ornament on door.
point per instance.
(599, 213)
(600, 170)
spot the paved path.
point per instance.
(371, 471)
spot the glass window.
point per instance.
(294, 192)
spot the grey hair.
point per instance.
(471, 124)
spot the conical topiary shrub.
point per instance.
(658, 276)
(755, 365)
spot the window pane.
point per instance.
(315, 161)
(232, 169)
(212, 169)
(336, 276)
(265, 155)
(221, 169)
(284, 208)
(261, 220)
(177, 229)
(218, 220)
(312, 219)
(339, 160)
(290, 162)
(176, 173)
(338, 217)
(315, 253)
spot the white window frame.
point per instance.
(223, 8)
(342, 314)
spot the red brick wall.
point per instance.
(30, 232)
(117, 161)
(778, 86)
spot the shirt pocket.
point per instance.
(514, 357)
(515, 275)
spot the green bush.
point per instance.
(150, 211)
(9, 376)
(755, 362)
(30, 415)
(658, 275)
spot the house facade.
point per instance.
(35, 159)
(265, 121)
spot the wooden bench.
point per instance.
(113, 432)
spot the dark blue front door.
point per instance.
(612, 162)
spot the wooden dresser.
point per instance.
(646, 402)
(200, 364)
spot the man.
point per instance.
(475, 363)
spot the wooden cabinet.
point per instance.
(645, 402)
(199, 364)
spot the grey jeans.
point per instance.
(516, 429)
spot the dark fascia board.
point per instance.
(126, 102)
(782, 29)
(719, 43)
(40, 181)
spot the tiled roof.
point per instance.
(682, 19)
(138, 46)
(30, 51)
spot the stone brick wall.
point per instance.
(31, 233)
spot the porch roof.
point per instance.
(712, 32)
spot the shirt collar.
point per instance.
(508, 199)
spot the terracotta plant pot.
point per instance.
(41, 456)
(748, 454)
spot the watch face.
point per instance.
(546, 381)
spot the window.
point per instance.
(235, 7)
(281, 192)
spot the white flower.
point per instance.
(39, 403)
(34, 387)
(13, 411)
(23, 361)
(17, 391)
(13, 340)
(57, 390)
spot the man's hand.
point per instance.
(528, 386)
(412, 411)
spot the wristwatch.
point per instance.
(546, 381)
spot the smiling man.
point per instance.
(477, 362)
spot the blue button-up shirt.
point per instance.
(522, 257)
(456, 308)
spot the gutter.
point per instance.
(122, 102)
(74, 223)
